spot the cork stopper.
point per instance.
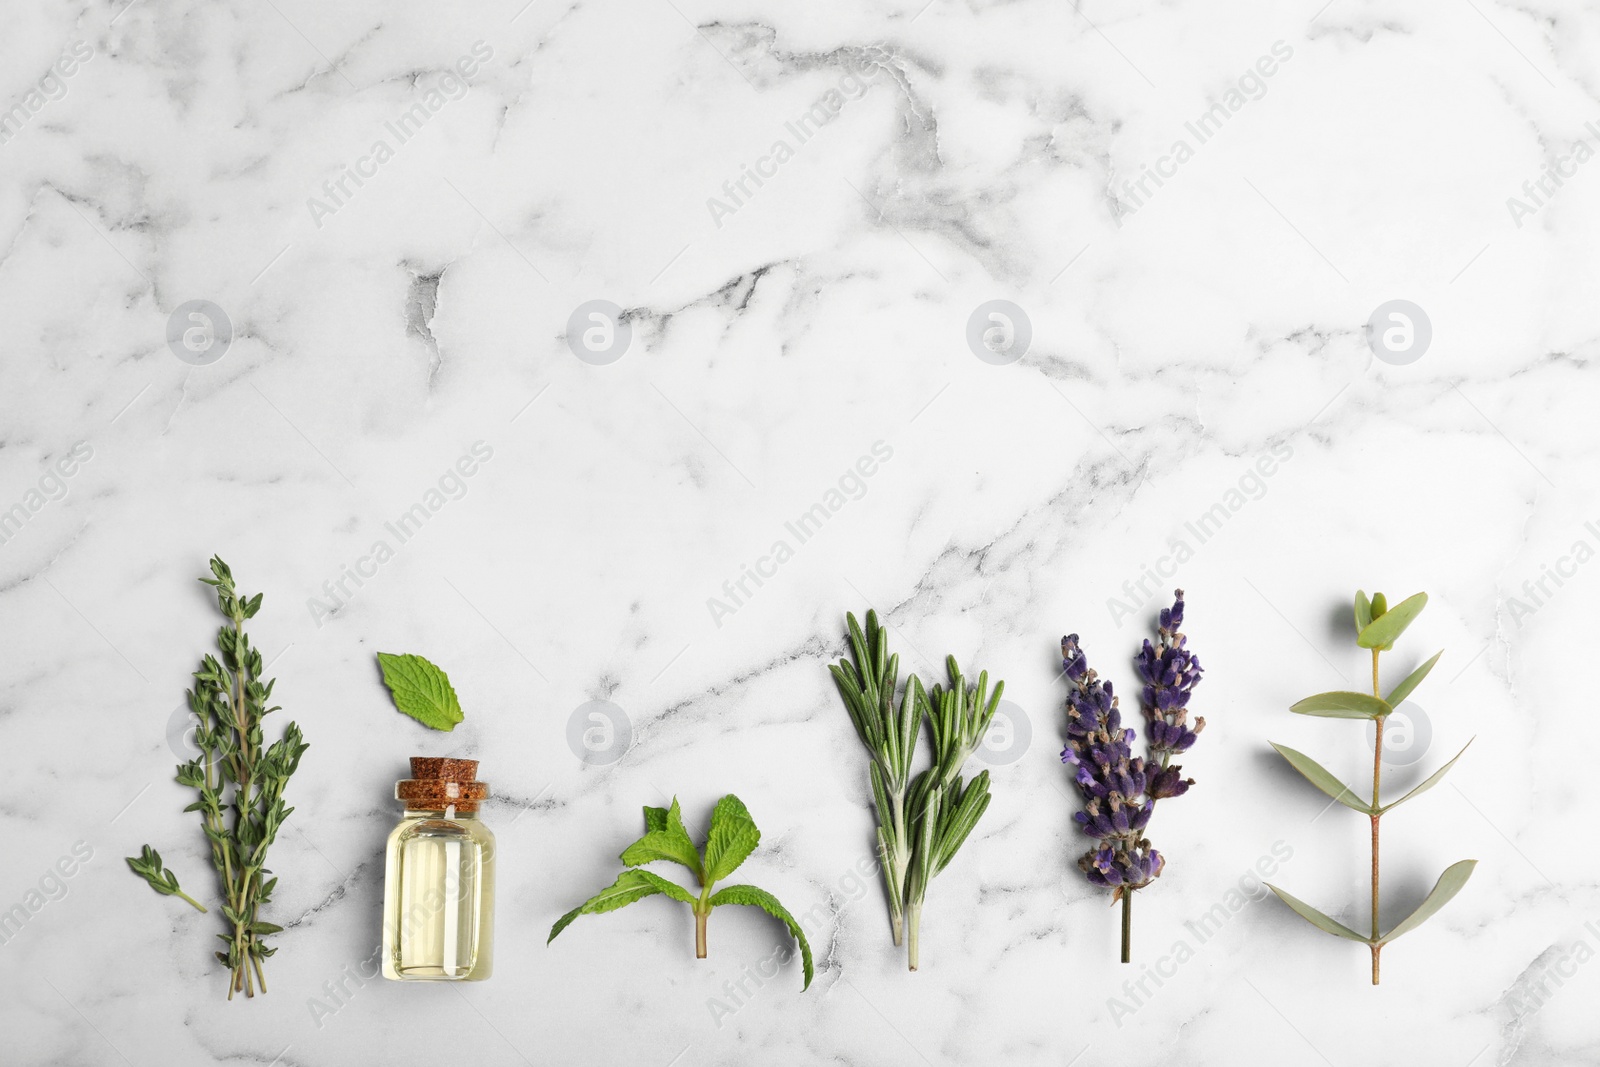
(437, 783)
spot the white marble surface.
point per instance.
(1178, 333)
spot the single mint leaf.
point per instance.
(1449, 884)
(732, 838)
(1342, 705)
(670, 843)
(1322, 778)
(760, 898)
(630, 886)
(1316, 918)
(421, 690)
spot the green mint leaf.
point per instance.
(654, 818)
(670, 843)
(630, 886)
(732, 838)
(421, 690)
(760, 898)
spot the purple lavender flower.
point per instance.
(1169, 672)
(1120, 789)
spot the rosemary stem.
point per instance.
(1377, 777)
(914, 924)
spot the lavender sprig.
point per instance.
(1120, 789)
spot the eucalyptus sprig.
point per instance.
(241, 787)
(147, 865)
(1377, 627)
(922, 821)
(732, 837)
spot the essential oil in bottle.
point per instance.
(438, 887)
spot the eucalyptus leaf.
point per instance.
(1449, 884)
(1342, 705)
(1322, 778)
(1414, 679)
(1432, 780)
(1363, 611)
(1383, 629)
(1317, 918)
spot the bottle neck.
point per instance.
(440, 813)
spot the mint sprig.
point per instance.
(421, 690)
(732, 837)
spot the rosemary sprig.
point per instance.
(230, 701)
(946, 809)
(147, 865)
(922, 821)
(890, 736)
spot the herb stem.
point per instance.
(1127, 925)
(195, 903)
(914, 922)
(1377, 777)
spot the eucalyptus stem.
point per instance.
(1377, 777)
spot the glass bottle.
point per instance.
(438, 886)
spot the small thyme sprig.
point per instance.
(1377, 627)
(230, 701)
(147, 865)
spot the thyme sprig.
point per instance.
(241, 786)
(147, 865)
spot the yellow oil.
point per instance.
(438, 899)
